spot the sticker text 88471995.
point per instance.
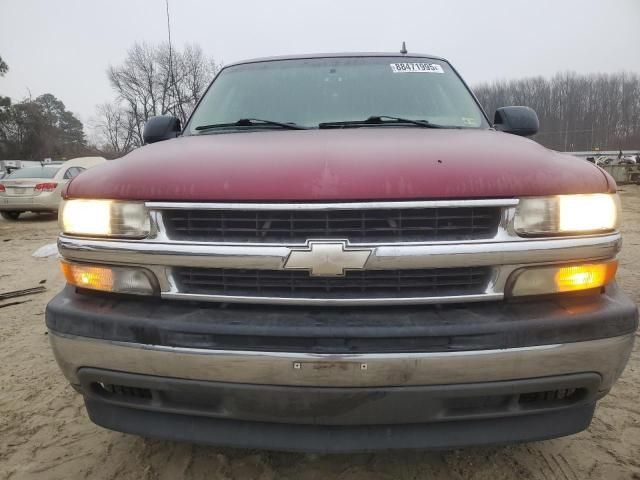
(416, 68)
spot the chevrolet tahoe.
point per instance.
(342, 253)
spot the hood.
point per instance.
(339, 165)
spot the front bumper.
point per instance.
(606, 357)
(413, 377)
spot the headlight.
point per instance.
(561, 278)
(567, 214)
(104, 218)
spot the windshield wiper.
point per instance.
(380, 120)
(253, 122)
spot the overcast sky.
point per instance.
(64, 46)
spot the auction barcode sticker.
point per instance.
(416, 68)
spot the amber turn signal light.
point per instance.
(108, 279)
(583, 277)
(561, 278)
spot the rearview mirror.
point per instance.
(160, 128)
(517, 120)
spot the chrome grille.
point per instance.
(433, 282)
(191, 263)
(362, 226)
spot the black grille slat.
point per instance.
(268, 275)
(365, 225)
(362, 218)
(355, 284)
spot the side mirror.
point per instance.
(160, 128)
(517, 120)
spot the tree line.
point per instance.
(34, 129)
(576, 112)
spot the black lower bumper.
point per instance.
(328, 330)
(304, 438)
(340, 419)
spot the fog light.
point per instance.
(108, 279)
(561, 278)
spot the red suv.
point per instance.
(341, 253)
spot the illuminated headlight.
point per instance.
(567, 214)
(561, 278)
(106, 278)
(104, 218)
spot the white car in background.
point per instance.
(38, 189)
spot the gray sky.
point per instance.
(64, 46)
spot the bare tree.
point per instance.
(115, 129)
(151, 82)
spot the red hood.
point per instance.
(348, 164)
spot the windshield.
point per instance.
(308, 92)
(34, 172)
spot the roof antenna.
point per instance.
(404, 51)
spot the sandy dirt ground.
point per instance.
(45, 433)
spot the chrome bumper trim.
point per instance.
(607, 357)
(503, 257)
(428, 255)
(482, 297)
